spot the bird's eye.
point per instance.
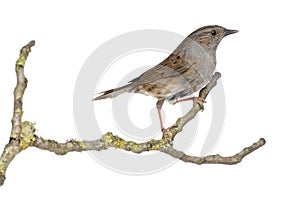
(213, 32)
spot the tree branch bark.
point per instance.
(109, 140)
(23, 133)
(13, 147)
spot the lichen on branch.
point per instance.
(16, 140)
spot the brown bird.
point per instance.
(186, 70)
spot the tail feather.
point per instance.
(113, 92)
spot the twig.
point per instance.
(214, 159)
(23, 133)
(18, 94)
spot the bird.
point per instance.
(188, 69)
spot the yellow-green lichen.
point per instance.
(22, 57)
(27, 135)
(82, 145)
(108, 139)
(19, 110)
(72, 143)
(10, 151)
(120, 143)
(155, 147)
(3, 167)
(20, 62)
(163, 141)
(13, 135)
(134, 147)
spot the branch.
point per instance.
(109, 140)
(23, 133)
(18, 94)
(14, 147)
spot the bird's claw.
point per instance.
(167, 135)
(165, 132)
(200, 101)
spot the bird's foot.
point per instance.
(167, 135)
(166, 132)
(200, 101)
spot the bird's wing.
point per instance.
(172, 66)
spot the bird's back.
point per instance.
(188, 69)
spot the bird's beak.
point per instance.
(230, 31)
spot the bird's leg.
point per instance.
(159, 105)
(198, 100)
(165, 131)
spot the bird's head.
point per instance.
(210, 36)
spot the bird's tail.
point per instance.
(113, 92)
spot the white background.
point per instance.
(260, 69)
